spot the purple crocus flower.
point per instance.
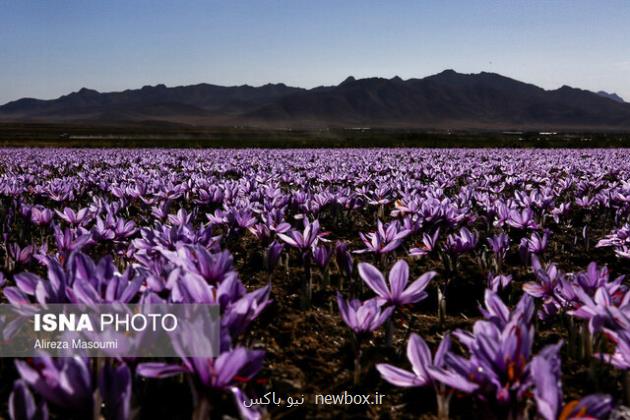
(23, 406)
(81, 281)
(20, 255)
(240, 313)
(274, 221)
(344, 258)
(585, 201)
(497, 365)
(621, 356)
(623, 252)
(121, 288)
(398, 292)
(272, 254)
(499, 281)
(499, 244)
(419, 356)
(549, 280)
(502, 213)
(70, 240)
(114, 383)
(497, 312)
(585, 294)
(218, 373)
(559, 211)
(594, 406)
(65, 382)
(238, 365)
(619, 240)
(385, 239)
(72, 217)
(113, 229)
(191, 288)
(545, 374)
(523, 219)
(462, 242)
(182, 218)
(380, 196)
(601, 311)
(499, 350)
(322, 255)
(260, 231)
(160, 211)
(537, 244)
(41, 216)
(302, 240)
(243, 218)
(499, 368)
(90, 282)
(195, 259)
(429, 244)
(31, 285)
(363, 317)
(596, 277)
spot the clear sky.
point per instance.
(52, 47)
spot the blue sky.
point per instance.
(52, 47)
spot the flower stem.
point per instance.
(96, 408)
(571, 331)
(308, 283)
(357, 364)
(587, 342)
(202, 409)
(443, 404)
(286, 265)
(389, 332)
(325, 277)
(442, 305)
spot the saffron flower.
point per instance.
(462, 242)
(303, 240)
(545, 374)
(41, 216)
(398, 292)
(343, 257)
(218, 373)
(522, 220)
(363, 317)
(420, 358)
(23, 405)
(384, 240)
(429, 244)
(74, 218)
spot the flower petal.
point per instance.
(374, 279)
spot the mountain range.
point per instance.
(447, 100)
(612, 96)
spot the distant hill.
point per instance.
(612, 96)
(448, 100)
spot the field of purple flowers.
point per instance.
(459, 283)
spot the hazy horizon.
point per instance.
(51, 49)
